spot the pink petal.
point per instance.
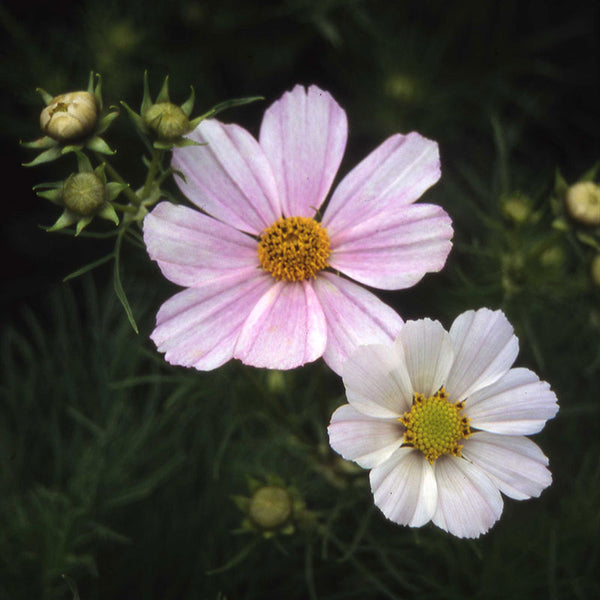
(285, 329)
(468, 501)
(192, 249)
(377, 382)
(485, 348)
(393, 175)
(199, 326)
(404, 488)
(363, 439)
(515, 464)
(428, 353)
(394, 248)
(229, 177)
(517, 404)
(304, 135)
(354, 317)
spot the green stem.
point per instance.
(157, 156)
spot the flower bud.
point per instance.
(583, 202)
(70, 117)
(270, 508)
(516, 208)
(167, 120)
(595, 269)
(83, 193)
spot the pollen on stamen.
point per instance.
(294, 248)
(435, 426)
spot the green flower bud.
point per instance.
(84, 193)
(595, 269)
(167, 120)
(583, 202)
(516, 208)
(70, 117)
(270, 508)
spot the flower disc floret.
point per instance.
(294, 248)
(435, 426)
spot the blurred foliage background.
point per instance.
(118, 472)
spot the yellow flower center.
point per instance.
(294, 248)
(435, 426)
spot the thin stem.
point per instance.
(131, 195)
(157, 156)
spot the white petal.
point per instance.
(376, 381)
(485, 348)
(517, 404)
(404, 488)
(355, 317)
(514, 463)
(363, 439)
(468, 501)
(428, 353)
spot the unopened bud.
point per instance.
(167, 120)
(270, 507)
(516, 208)
(69, 117)
(84, 193)
(583, 202)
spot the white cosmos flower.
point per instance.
(440, 418)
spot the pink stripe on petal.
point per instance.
(304, 135)
(354, 317)
(517, 404)
(193, 249)
(394, 250)
(229, 177)
(515, 464)
(285, 329)
(404, 488)
(363, 439)
(468, 501)
(485, 348)
(395, 174)
(199, 326)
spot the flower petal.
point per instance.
(394, 248)
(517, 404)
(304, 135)
(428, 353)
(393, 175)
(354, 317)
(229, 177)
(363, 439)
(404, 488)
(468, 501)
(485, 348)
(199, 326)
(377, 382)
(514, 463)
(192, 249)
(285, 329)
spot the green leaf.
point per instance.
(224, 106)
(89, 267)
(119, 286)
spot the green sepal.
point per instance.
(180, 143)
(97, 91)
(560, 225)
(82, 224)
(40, 143)
(49, 185)
(146, 99)
(588, 240)
(97, 144)
(52, 195)
(560, 185)
(180, 175)
(66, 218)
(591, 174)
(108, 212)
(83, 163)
(46, 156)
(45, 95)
(163, 95)
(188, 105)
(223, 106)
(113, 189)
(72, 148)
(106, 120)
(242, 503)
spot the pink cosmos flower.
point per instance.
(267, 282)
(440, 418)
